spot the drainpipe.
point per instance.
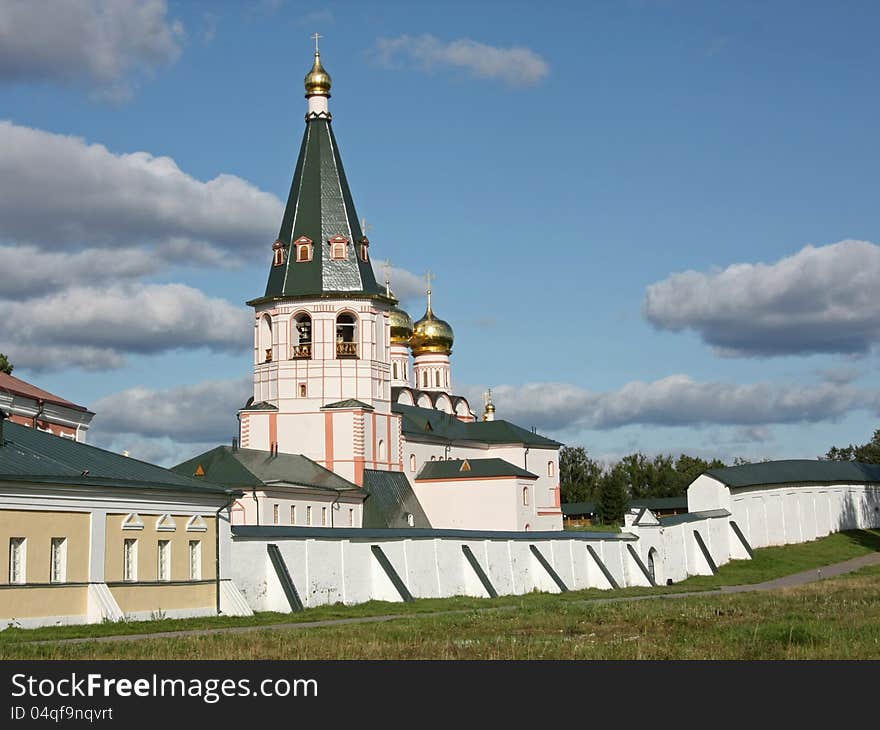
(217, 547)
(39, 412)
(257, 502)
(526, 459)
(338, 495)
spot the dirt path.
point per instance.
(788, 581)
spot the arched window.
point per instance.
(437, 378)
(412, 462)
(264, 346)
(346, 336)
(433, 458)
(302, 337)
(338, 247)
(551, 468)
(278, 253)
(381, 449)
(303, 249)
(424, 378)
(525, 496)
(394, 370)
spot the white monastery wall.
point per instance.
(791, 513)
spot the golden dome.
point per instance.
(317, 80)
(431, 334)
(401, 326)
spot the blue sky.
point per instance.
(558, 167)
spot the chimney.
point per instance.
(234, 444)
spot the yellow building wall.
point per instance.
(133, 597)
(54, 600)
(38, 527)
(148, 548)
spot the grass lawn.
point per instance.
(769, 563)
(834, 619)
(592, 528)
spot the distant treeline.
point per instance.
(636, 476)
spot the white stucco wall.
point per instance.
(790, 513)
(328, 569)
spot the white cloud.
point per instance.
(204, 413)
(102, 43)
(59, 191)
(405, 285)
(677, 400)
(515, 66)
(820, 300)
(95, 328)
(36, 271)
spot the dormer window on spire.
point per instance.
(278, 253)
(303, 249)
(365, 249)
(338, 248)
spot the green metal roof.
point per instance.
(30, 455)
(585, 508)
(320, 206)
(439, 426)
(693, 517)
(390, 498)
(471, 469)
(261, 406)
(250, 468)
(794, 471)
(349, 403)
(278, 532)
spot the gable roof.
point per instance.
(349, 403)
(471, 469)
(390, 498)
(251, 468)
(31, 455)
(437, 425)
(796, 471)
(16, 386)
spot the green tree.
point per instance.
(689, 468)
(868, 453)
(636, 472)
(5, 365)
(613, 496)
(579, 475)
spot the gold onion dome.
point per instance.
(317, 80)
(431, 334)
(401, 326)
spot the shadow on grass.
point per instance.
(869, 539)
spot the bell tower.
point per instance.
(322, 333)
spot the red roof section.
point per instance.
(17, 386)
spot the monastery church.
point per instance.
(358, 473)
(345, 380)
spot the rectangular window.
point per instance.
(129, 559)
(323, 516)
(17, 560)
(351, 518)
(309, 515)
(195, 559)
(58, 560)
(274, 514)
(293, 514)
(164, 560)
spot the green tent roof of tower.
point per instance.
(320, 207)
